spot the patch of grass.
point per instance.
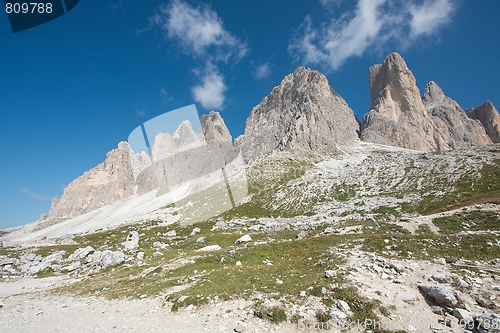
(385, 211)
(343, 192)
(475, 220)
(203, 205)
(45, 273)
(47, 250)
(10, 252)
(294, 262)
(472, 188)
(423, 229)
(385, 310)
(382, 228)
(322, 316)
(430, 246)
(175, 307)
(362, 309)
(273, 314)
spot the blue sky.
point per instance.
(73, 88)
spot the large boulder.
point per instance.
(106, 258)
(444, 296)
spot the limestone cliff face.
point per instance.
(400, 117)
(109, 182)
(176, 159)
(190, 156)
(397, 115)
(453, 128)
(303, 115)
(489, 117)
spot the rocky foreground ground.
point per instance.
(363, 282)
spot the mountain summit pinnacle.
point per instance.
(303, 114)
(400, 117)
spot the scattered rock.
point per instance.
(485, 303)
(243, 239)
(343, 306)
(107, 258)
(46, 262)
(461, 283)
(157, 254)
(238, 263)
(148, 270)
(440, 261)
(182, 299)
(132, 241)
(9, 261)
(209, 248)
(441, 278)
(330, 274)
(437, 310)
(80, 253)
(463, 315)
(201, 240)
(302, 234)
(396, 267)
(171, 233)
(70, 268)
(195, 231)
(338, 315)
(240, 328)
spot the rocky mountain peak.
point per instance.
(489, 117)
(184, 135)
(214, 128)
(400, 117)
(302, 114)
(163, 146)
(109, 182)
(433, 93)
(397, 116)
(452, 127)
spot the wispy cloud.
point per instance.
(210, 94)
(373, 24)
(200, 34)
(428, 17)
(117, 7)
(32, 195)
(140, 112)
(166, 96)
(263, 71)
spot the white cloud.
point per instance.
(32, 195)
(329, 3)
(210, 94)
(199, 31)
(263, 71)
(373, 24)
(201, 34)
(427, 18)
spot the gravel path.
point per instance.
(29, 306)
